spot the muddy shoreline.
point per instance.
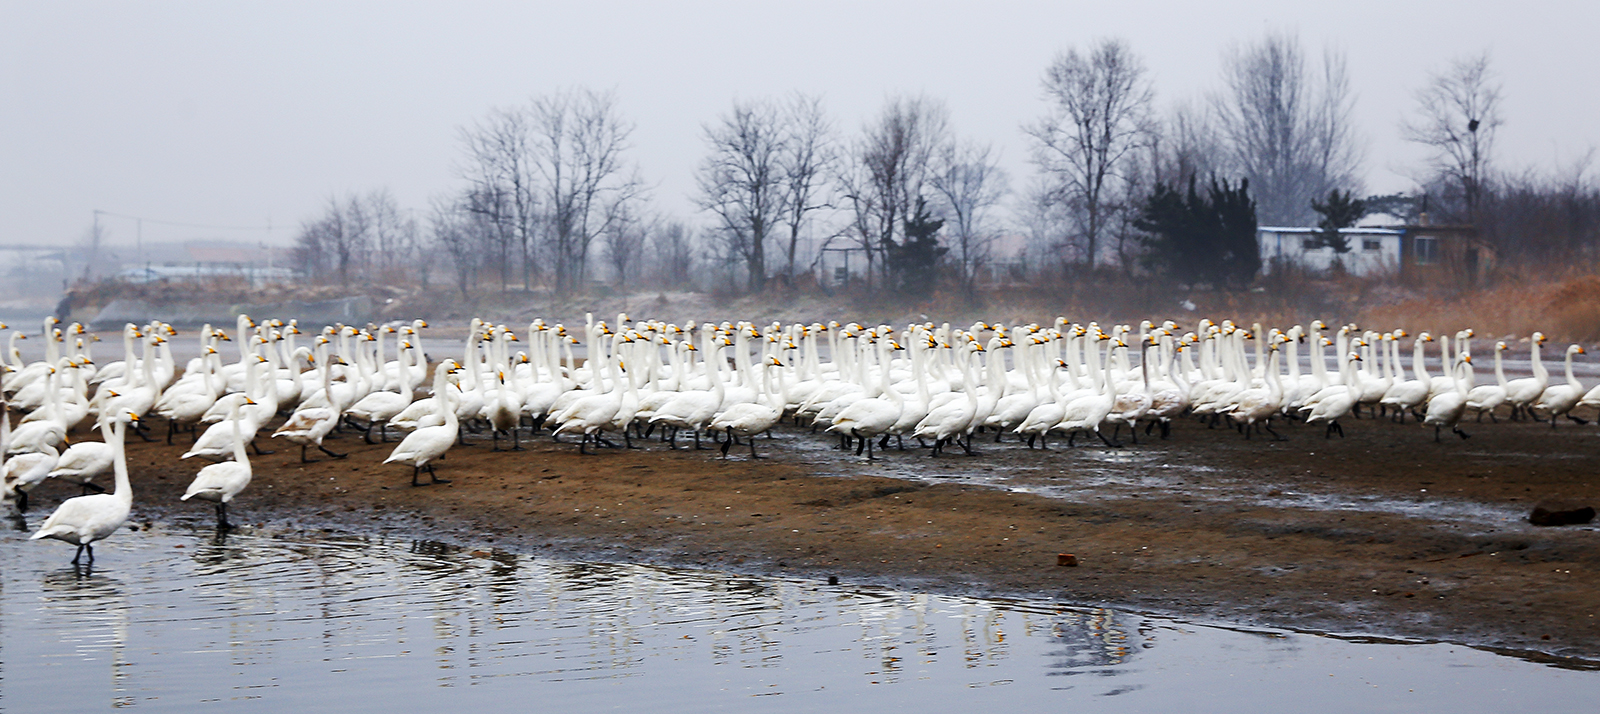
(1384, 533)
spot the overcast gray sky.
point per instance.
(237, 113)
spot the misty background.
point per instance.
(251, 126)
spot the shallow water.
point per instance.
(183, 621)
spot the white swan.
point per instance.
(308, 426)
(220, 482)
(1445, 410)
(1335, 401)
(85, 460)
(422, 447)
(1484, 398)
(1559, 399)
(85, 519)
(757, 417)
(1522, 393)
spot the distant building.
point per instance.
(1373, 251)
(1417, 253)
(203, 260)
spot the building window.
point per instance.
(1310, 243)
(1427, 250)
(1369, 244)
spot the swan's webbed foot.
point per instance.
(434, 478)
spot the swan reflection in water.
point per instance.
(93, 612)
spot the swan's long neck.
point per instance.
(1499, 368)
(14, 352)
(239, 454)
(1274, 387)
(1417, 359)
(122, 489)
(1576, 385)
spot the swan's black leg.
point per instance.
(1464, 435)
(258, 450)
(729, 443)
(79, 555)
(1108, 442)
(435, 477)
(325, 450)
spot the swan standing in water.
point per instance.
(220, 482)
(85, 519)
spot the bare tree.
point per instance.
(741, 181)
(624, 242)
(672, 249)
(888, 168)
(807, 158)
(1459, 113)
(501, 179)
(1183, 144)
(453, 231)
(1287, 131)
(970, 184)
(1098, 119)
(1047, 226)
(337, 241)
(388, 226)
(580, 139)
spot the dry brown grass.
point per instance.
(1566, 308)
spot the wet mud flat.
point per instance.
(1383, 533)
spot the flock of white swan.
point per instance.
(867, 385)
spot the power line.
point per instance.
(266, 228)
